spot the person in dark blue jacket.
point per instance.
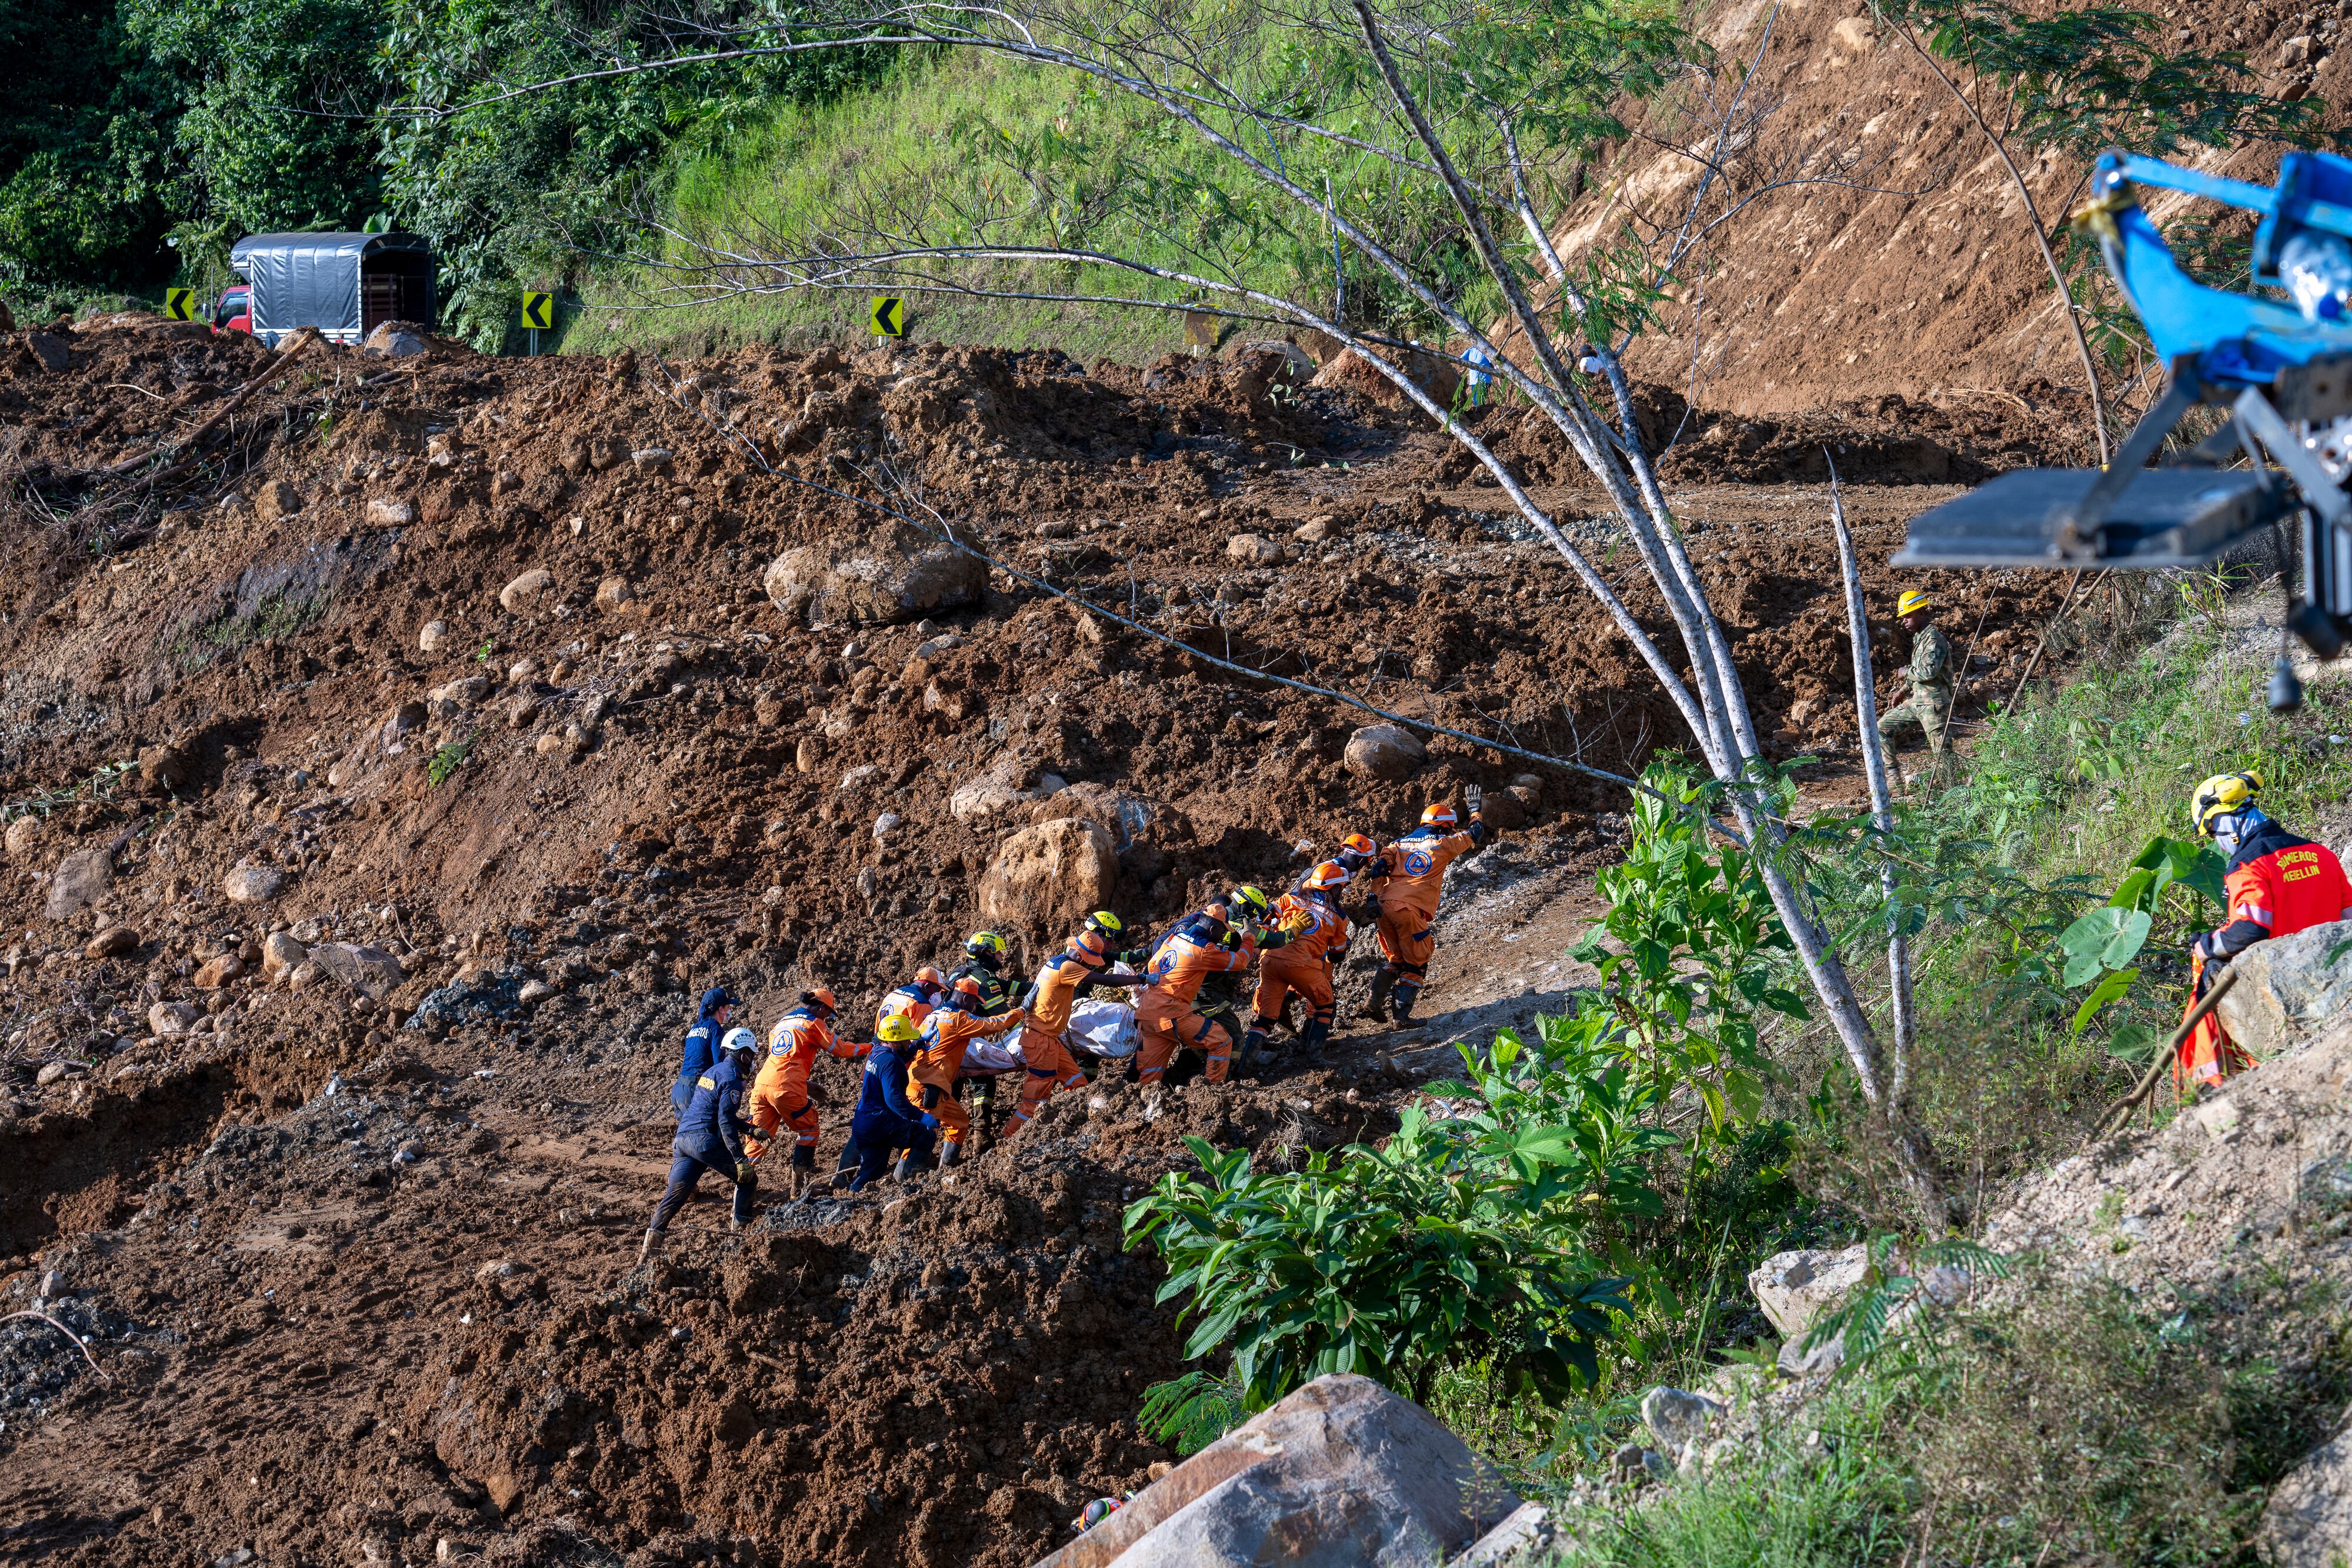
(886, 1118)
(701, 1053)
(711, 1137)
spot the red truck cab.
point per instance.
(234, 312)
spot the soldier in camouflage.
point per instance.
(1930, 705)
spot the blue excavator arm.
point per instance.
(2282, 371)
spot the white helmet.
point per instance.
(739, 1039)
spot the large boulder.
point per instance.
(1796, 1288)
(371, 971)
(1384, 751)
(2287, 992)
(2308, 1522)
(891, 574)
(1127, 818)
(1001, 786)
(1342, 1472)
(1047, 878)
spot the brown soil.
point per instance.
(1880, 249)
(361, 1287)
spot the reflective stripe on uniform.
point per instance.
(704, 1082)
(2254, 913)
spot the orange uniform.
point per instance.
(1165, 1018)
(2278, 884)
(1318, 939)
(1044, 1050)
(930, 1083)
(780, 1096)
(1412, 873)
(913, 1002)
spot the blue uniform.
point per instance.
(710, 1134)
(701, 1049)
(885, 1119)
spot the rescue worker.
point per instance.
(944, 1037)
(1354, 856)
(887, 1121)
(1166, 1014)
(983, 964)
(984, 954)
(1044, 1052)
(1929, 703)
(701, 1050)
(916, 999)
(710, 1134)
(1317, 932)
(1412, 876)
(2277, 883)
(783, 1097)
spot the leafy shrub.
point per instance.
(1450, 1242)
(1191, 1412)
(1692, 950)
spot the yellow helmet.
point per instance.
(2223, 795)
(1250, 903)
(897, 1028)
(1912, 600)
(985, 944)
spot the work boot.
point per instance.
(1254, 1046)
(1401, 1009)
(797, 1183)
(950, 1155)
(1376, 1005)
(907, 1169)
(1314, 1039)
(651, 1247)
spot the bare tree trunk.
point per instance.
(1882, 802)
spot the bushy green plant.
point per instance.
(1451, 1240)
(1189, 1412)
(1691, 952)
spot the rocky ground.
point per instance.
(478, 711)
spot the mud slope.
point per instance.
(1894, 258)
(356, 1259)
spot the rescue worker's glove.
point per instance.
(742, 1173)
(930, 1124)
(816, 1097)
(1474, 799)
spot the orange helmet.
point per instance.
(820, 1000)
(1360, 845)
(1327, 876)
(966, 994)
(1438, 814)
(927, 976)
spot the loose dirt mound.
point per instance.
(468, 666)
(1880, 248)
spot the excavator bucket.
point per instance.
(2164, 517)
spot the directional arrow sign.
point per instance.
(538, 312)
(180, 304)
(889, 316)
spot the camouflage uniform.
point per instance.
(1929, 705)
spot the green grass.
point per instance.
(905, 145)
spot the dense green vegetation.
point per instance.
(1686, 1121)
(139, 139)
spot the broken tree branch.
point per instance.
(1882, 800)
